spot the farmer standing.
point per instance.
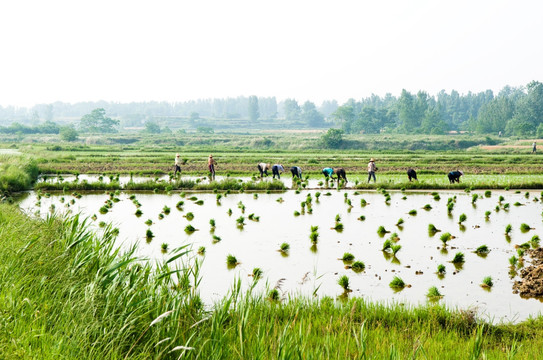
(534, 148)
(371, 170)
(177, 164)
(211, 166)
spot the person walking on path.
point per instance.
(211, 166)
(371, 170)
(177, 165)
(534, 147)
(276, 169)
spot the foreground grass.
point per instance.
(17, 173)
(66, 293)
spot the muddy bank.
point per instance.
(530, 284)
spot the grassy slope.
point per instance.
(66, 293)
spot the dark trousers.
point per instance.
(370, 175)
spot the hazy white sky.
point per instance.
(309, 50)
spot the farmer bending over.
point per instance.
(276, 169)
(263, 168)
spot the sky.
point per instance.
(315, 50)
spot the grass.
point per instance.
(343, 281)
(284, 248)
(231, 260)
(358, 266)
(433, 293)
(445, 238)
(458, 258)
(482, 250)
(525, 227)
(347, 257)
(441, 270)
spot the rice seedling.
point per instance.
(231, 261)
(413, 212)
(274, 296)
(164, 247)
(132, 197)
(488, 193)
(427, 207)
(166, 210)
(347, 257)
(458, 258)
(338, 218)
(317, 195)
(314, 237)
(94, 217)
(526, 194)
(395, 248)
(363, 202)
(399, 222)
(445, 237)
(474, 198)
(523, 246)
(344, 283)
(193, 198)
(381, 231)
(361, 218)
(397, 283)
(497, 208)
(229, 212)
(216, 239)
(296, 213)
(513, 260)
(462, 218)
(148, 222)
(518, 204)
(257, 273)
(441, 270)
(102, 224)
(253, 217)
(255, 196)
(508, 228)
(501, 198)
(189, 216)
(199, 202)
(338, 227)
(534, 242)
(189, 229)
(482, 250)
(432, 229)
(328, 194)
(358, 266)
(487, 282)
(240, 221)
(525, 227)
(387, 244)
(506, 206)
(487, 215)
(437, 197)
(160, 216)
(433, 293)
(149, 234)
(280, 200)
(201, 250)
(284, 248)
(103, 210)
(394, 237)
(450, 207)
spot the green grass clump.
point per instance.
(166, 210)
(432, 229)
(462, 218)
(257, 273)
(381, 231)
(399, 222)
(201, 250)
(413, 212)
(164, 247)
(445, 237)
(427, 207)
(534, 242)
(508, 228)
(441, 270)
(216, 239)
(189, 216)
(104, 210)
(274, 296)
(138, 212)
(240, 221)
(387, 245)
(338, 227)
(149, 234)
(397, 283)
(395, 248)
(525, 227)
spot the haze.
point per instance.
(173, 51)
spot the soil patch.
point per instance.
(530, 284)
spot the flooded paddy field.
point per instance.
(313, 269)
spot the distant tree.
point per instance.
(98, 122)
(291, 109)
(254, 113)
(333, 138)
(68, 133)
(194, 116)
(345, 115)
(151, 127)
(311, 116)
(48, 127)
(328, 107)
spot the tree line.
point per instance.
(514, 111)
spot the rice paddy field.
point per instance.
(394, 270)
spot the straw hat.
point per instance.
(372, 160)
(177, 155)
(210, 155)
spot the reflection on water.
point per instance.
(313, 267)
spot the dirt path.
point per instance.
(530, 284)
